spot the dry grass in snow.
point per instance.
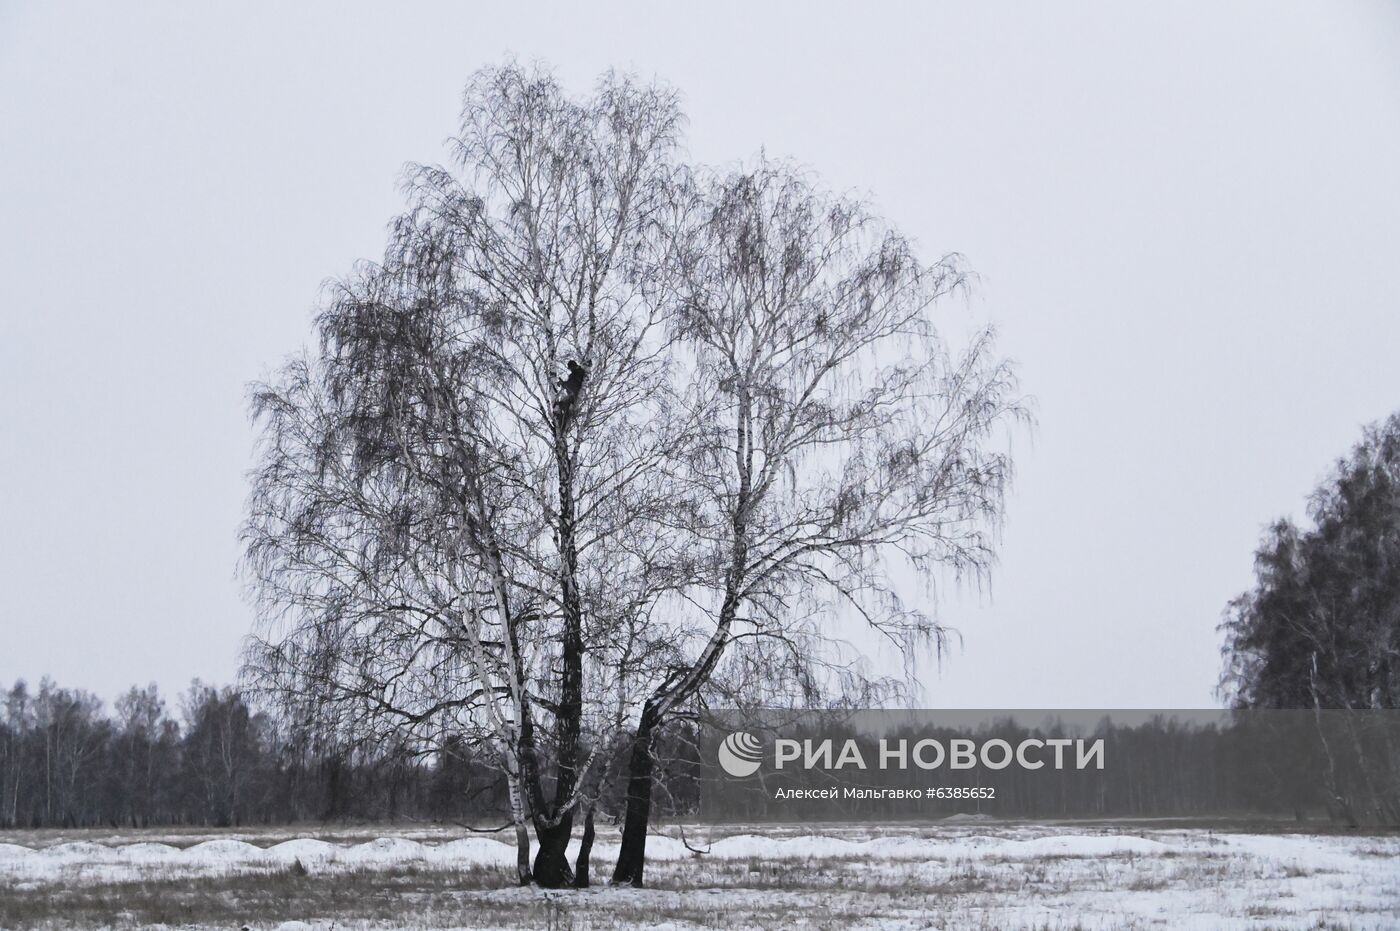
(976, 876)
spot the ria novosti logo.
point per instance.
(740, 754)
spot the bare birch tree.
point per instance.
(457, 513)
(847, 453)
(588, 428)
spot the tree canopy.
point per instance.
(1321, 627)
(604, 436)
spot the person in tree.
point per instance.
(566, 399)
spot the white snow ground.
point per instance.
(968, 876)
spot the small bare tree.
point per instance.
(846, 453)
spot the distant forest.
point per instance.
(67, 760)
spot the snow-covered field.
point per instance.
(963, 875)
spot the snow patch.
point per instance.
(303, 848)
(216, 850)
(79, 850)
(1083, 845)
(474, 851)
(146, 852)
(381, 849)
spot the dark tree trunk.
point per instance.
(569, 714)
(552, 860)
(585, 851)
(631, 859)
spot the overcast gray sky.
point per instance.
(1186, 219)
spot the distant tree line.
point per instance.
(69, 760)
(66, 760)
